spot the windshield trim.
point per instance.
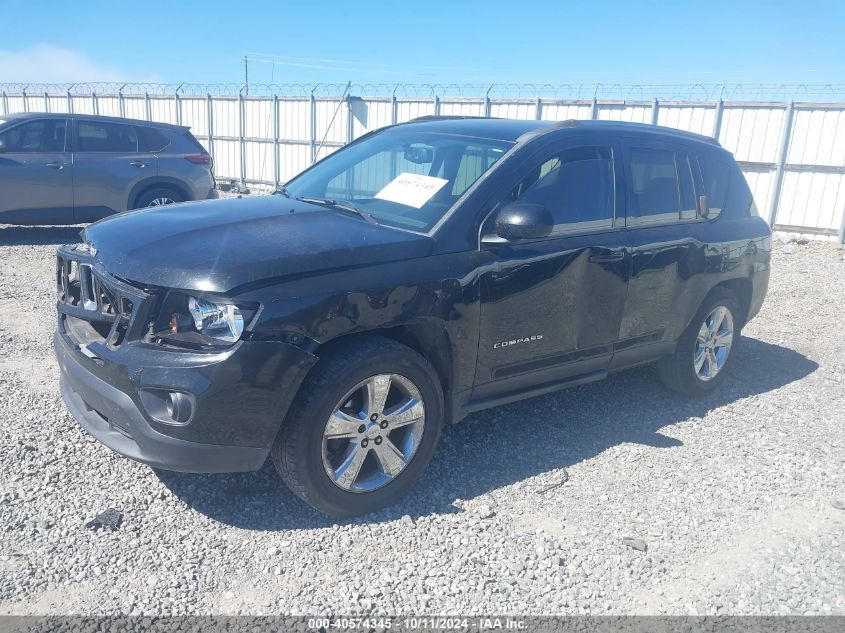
(508, 144)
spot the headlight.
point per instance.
(202, 322)
(221, 321)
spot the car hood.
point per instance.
(219, 245)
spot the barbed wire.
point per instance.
(574, 91)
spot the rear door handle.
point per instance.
(56, 165)
(138, 163)
(613, 256)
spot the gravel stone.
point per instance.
(635, 543)
(735, 493)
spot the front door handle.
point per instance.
(612, 256)
(138, 163)
(57, 166)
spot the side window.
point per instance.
(716, 176)
(40, 136)
(151, 140)
(576, 186)
(653, 189)
(94, 136)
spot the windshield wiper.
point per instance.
(342, 205)
(282, 191)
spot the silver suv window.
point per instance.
(39, 136)
(94, 136)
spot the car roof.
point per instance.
(20, 116)
(514, 130)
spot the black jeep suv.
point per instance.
(423, 272)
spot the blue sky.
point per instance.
(540, 41)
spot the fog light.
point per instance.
(168, 407)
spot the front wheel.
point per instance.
(705, 350)
(362, 429)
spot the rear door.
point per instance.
(107, 164)
(666, 255)
(551, 308)
(36, 173)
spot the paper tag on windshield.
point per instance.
(412, 190)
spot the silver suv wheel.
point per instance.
(373, 433)
(713, 344)
(158, 202)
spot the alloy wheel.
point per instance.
(713, 344)
(159, 202)
(374, 433)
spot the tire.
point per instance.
(158, 197)
(679, 371)
(304, 458)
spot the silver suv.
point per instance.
(70, 169)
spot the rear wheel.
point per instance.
(362, 429)
(705, 350)
(158, 197)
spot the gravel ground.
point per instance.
(523, 511)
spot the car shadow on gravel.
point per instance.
(509, 444)
(38, 235)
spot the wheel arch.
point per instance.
(156, 182)
(742, 288)
(427, 339)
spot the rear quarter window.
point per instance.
(716, 172)
(152, 140)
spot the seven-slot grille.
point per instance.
(96, 307)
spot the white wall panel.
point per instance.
(259, 160)
(292, 160)
(461, 108)
(812, 199)
(332, 117)
(698, 119)
(163, 109)
(564, 111)
(818, 138)
(226, 160)
(108, 106)
(761, 182)
(194, 111)
(225, 114)
(407, 110)
(523, 111)
(258, 118)
(752, 133)
(82, 104)
(135, 108)
(295, 119)
(625, 112)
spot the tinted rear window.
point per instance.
(716, 176)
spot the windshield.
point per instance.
(401, 177)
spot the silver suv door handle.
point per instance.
(56, 165)
(138, 163)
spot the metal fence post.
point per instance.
(394, 114)
(178, 105)
(313, 131)
(784, 151)
(147, 107)
(209, 111)
(95, 106)
(69, 101)
(121, 105)
(350, 120)
(538, 109)
(5, 103)
(46, 102)
(594, 109)
(241, 142)
(717, 124)
(488, 106)
(436, 105)
(276, 165)
(655, 108)
(25, 101)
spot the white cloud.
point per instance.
(45, 63)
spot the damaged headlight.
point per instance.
(202, 322)
(224, 322)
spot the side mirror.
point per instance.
(704, 207)
(524, 221)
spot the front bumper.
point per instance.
(239, 408)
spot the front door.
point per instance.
(36, 173)
(551, 309)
